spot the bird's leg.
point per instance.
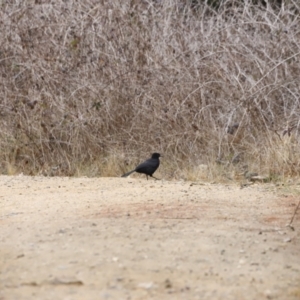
(155, 177)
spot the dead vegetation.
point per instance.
(90, 87)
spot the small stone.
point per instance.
(168, 284)
(146, 285)
(260, 179)
(288, 266)
(268, 294)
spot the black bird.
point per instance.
(148, 167)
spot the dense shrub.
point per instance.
(91, 86)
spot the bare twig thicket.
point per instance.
(90, 87)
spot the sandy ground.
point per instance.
(129, 238)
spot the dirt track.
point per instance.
(116, 238)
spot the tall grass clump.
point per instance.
(93, 87)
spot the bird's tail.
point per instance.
(127, 174)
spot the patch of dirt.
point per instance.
(116, 238)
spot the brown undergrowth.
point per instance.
(93, 87)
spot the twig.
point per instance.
(292, 219)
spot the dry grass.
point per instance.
(93, 87)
